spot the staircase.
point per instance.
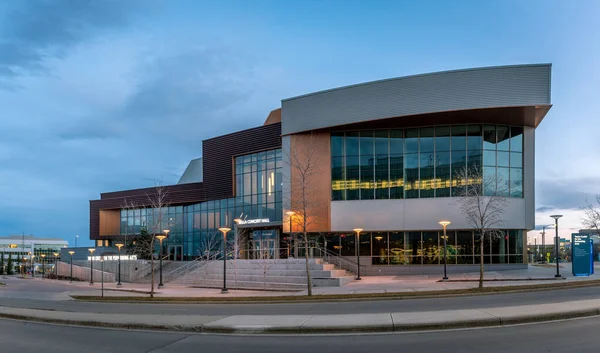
(268, 274)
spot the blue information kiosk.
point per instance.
(582, 254)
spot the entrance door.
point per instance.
(264, 249)
(175, 252)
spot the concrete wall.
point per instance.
(131, 270)
(84, 273)
(413, 214)
(529, 176)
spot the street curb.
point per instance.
(378, 328)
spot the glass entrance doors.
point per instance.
(263, 244)
(175, 252)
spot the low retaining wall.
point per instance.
(131, 270)
(84, 273)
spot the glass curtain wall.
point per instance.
(195, 227)
(423, 162)
(427, 247)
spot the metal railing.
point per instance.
(341, 262)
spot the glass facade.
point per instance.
(422, 162)
(427, 247)
(194, 229)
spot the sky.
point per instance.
(107, 95)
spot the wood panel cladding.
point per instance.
(110, 222)
(318, 194)
(218, 156)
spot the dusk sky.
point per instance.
(98, 96)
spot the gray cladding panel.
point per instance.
(507, 86)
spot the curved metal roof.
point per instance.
(479, 88)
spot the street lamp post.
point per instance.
(224, 230)
(76, 237)
(91, 250)
(160, 238)
(71, 260)
(56, 264)
(102, 275)
(544, 244)
(292, 242)
(119, 246)
(43, 265)
(445, 224)
(357, 247)
(556, 217)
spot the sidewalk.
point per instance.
(534, 275)
(302, 324)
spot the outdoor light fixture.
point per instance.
(444, 224)
(357, 247)
(224, 230)
(556, 217)
(91, 250)
(160, 238)
(56, 264)
(379, 237)
(71, 253)
(292, 240)
(43, 265)
(119, 246)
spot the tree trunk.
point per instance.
(481, 260)
(308, 280)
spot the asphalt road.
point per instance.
(29, 297)
(567, 336)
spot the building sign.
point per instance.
(582, 255)
(254, 221)
(112, 257)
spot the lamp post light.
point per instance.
(102, 275)
(556, 217)
(292, 242)
(43, 265)
(32, 265)
(224, 230)
(119, 246)
(71, 260)
(357, 247)
(56, 264)
(91, 250)
(445, 224)
(160, 238)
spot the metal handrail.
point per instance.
(351, 265)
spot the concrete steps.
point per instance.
(272, 274)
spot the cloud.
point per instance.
(565, 193)
(36, 31)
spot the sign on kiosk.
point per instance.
(582, 254)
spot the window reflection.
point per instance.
(420, 162)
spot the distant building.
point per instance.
(23, 246)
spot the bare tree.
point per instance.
(304, 169)
(591, 215)
(151, 225)
(482, 203)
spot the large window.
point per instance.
(195, 227)
(427, 247)
(424, 162)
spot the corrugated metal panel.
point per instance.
(218, 155)
(506, 86)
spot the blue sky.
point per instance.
(98, 95)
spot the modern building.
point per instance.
(25, 246)
(384, 157)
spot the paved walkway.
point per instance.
(534, 274)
